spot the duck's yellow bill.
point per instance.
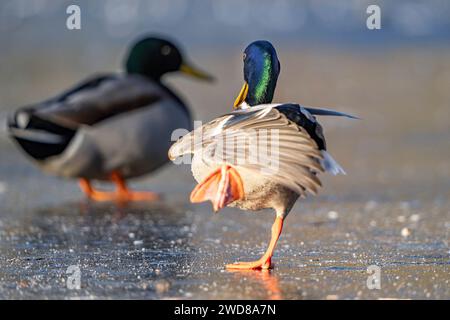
(242, 95)
(196, 73)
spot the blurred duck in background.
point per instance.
(110, 127)
(233, 175)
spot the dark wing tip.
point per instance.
(329, 112)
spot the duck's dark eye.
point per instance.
(165, 50)
(244, 56)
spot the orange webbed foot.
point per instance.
(95, 195)
(122, 194)
(221, 187)
(263, 263)
(138, 196)
(126, 195)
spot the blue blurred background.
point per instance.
(226, 22)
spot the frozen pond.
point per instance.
(391, 211)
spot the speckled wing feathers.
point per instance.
(297, 155)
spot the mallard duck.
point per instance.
(229, 168)
(111, 126)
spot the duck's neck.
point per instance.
(261, 86)
(152, 76)
(183, 106)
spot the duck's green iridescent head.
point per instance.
(261, 70)
(154, 57)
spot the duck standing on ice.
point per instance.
(111, 127)
(299, 150)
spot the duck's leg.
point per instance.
(221, 187)
(96, 195)
(265, 261)
(123, 194)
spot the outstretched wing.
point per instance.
(262, 140)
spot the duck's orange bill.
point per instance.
(221, 187)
